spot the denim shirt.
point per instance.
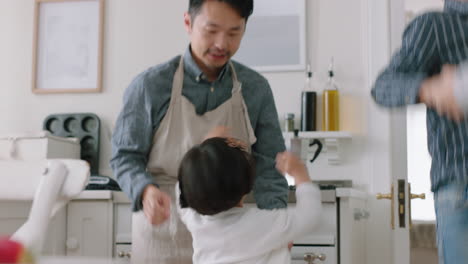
(430, 41)
(146, 101)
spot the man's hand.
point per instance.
(437, 93)
(156, 205)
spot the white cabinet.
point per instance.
(122, 228)
(340, 234)
(89, 228)
(13, 214)
(99, 224)
(33, 147)
(353, 218)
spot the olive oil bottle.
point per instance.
(330, 103)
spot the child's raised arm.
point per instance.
(286, 162)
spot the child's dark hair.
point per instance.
(214, 176)
(243, 7)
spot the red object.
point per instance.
(10, 251)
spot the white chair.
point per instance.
(50, 184)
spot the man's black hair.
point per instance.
(213, 176)
(243, 7)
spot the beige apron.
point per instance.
(181, 129)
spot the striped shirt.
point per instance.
(430, 41)
(460, 87)
(146, 101)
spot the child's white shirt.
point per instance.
(251, 235)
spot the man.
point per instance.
(423, 71)
(171, 107)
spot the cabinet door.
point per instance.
(89, 229)
(122, 223)
(353, 215)
(13, 214)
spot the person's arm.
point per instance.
(304, 217)
(438, 93)
(279, 227)
(276, 228)
(270, 188)
(131, 142)
(399, 83)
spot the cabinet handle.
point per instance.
(72, 243)
(123, 254)
(310, 257)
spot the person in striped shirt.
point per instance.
(431, 67)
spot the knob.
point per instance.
(123, 254)
(72, 243)
(321, 257)
(361, 214)
(310, 257)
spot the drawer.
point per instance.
(299, 253)
(123, 253)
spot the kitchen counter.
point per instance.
(76, 260)
(328, 195)
(115, 196)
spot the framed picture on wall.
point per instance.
(275, 38)
(67, 50)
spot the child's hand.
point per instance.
(286, 162)
(219, 131)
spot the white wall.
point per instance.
(136, 36)
(142, 33)
(418, 6)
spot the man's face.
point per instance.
(215, 34)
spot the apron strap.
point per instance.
(236, 85)
(178, 82)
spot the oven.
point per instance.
(321, 246)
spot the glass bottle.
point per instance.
(308, 104)
(330, 103)
(289, 122)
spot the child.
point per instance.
(214, 178)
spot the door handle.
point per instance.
(418, 196)
(388, 196)
(421, 196)
(381, 196)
